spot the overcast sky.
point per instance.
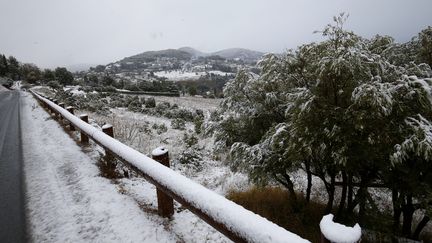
(53, 33)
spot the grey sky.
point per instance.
(65, 32)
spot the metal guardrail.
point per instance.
(229, 218)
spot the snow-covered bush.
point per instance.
(162, 107)
(198, 124)
(150, 102)
(189, 139)
(135, 105)
(178, 123)
(160, 128)
(190, 157)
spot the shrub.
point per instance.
(190, 139)
(135, 105)
(54, 84)
(274, 204)
(178, 124)
(162, 108)
(198, 122)
(190, 157)
(160, 128)
(150, 102)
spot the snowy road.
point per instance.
(12, 220)
(67, 199)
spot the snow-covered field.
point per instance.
(190, 102)
(68, 200)
(130, 129)
(178, 75)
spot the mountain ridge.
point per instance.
(187, 52)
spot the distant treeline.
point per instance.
(14, 70)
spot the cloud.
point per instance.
(102, 31)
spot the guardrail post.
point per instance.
(165, 202)
(62, 105)
(71, 110)
(109, 130)
(84, 138)
(52, 109)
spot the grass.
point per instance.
(274, 204)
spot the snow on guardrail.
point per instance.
(245, 224)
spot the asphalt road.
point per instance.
(12, 217)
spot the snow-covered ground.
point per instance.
(75, 90)
(68, 200)
(130, 129)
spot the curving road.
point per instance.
(12, 218)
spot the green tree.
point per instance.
(14, 68)
(425, 49)
(30, 72)
(3, 65)
(107, 80)
(192, 90)
(48, 75)
(64, 76)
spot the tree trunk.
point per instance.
(350, 191)
(396, 211)
(331, 192)
(408, 211)
(309, 181)
(343, 196)
(288, 184)
(362, 199)
(420, 226)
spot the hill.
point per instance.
(149, 56)
(239, 53)
(231, 53)
(192, 51)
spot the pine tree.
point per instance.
(14, 68)
(3, 65)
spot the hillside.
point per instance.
(192, 51)
(153, 55)
(231, 53)
(239, 53)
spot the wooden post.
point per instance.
(109, 157)
(62, 105)
(165, 202)
(53, 110)
(71, 110)
(84, 138)
(108, 130)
